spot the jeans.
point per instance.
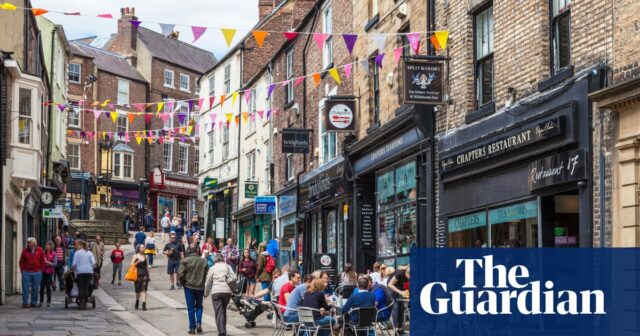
(398, 313)
(194, 306)
(150, 258)
(265, 284)
(47, 281)
(59, 272)
(293, 318)
(31, 284)
(326, 321)
(117, 268)
(220, 302)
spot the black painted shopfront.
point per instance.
(391, 173)
(521, 177)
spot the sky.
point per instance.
(239, 14)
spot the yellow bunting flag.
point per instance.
(245, 117)
(160, 107)
(228, 34)
(229, 116)
(222, 98)
(7, 6)
(259, 36)
(442, 36)
(334, 73)
(106, 102)
(234, 96)
(114, 116)
(316, 78)
(189, 129)
(131, 116)
(138, 138)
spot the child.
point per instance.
(116, 258)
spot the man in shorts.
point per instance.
(174, 250)
(165, 223)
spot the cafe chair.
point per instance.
(281, 326)
(367, 320)
(383, 324)
(308, 325)
(345, 291)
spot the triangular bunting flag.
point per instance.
(8, 6)
(260, 113)
(234, 96)
(138, 138)
(189, 129)
(298, 81)
(197, 32)
(61, 107)
(435, 43)
(350, 41)
(316, 78)
(259, 36)
(229, 116)
(397, 53)
(212, 99)
(114, 116)
(347, 70)
(237, 119)
(379, 41)
(135, 23)
(228, 34)
(147, 118)
(181, 117)
(190, 105)
(39, 11)
(320, 38)
(131, 116)
(442, 36)
(97, 113)
(150, 140)
(335, 75)
(105, 16)
(222, 99)
(170, 106)
(270, 91)
(127, 138)
(245, 117)
(164, 117)
(200, 104)
(247, 96)
(160, 107)
(414, 41)
(106, 102)
(213, 117)
(290, 35)
(268, 114)
(139, 106)
(379, 58)
(167, 28)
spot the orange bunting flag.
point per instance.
(114, 116)
(237, 119)
(228, 34)
(442, 36)
(39, 11)
(245, 116)
(222, 98)
(316, 78)
(259, 36)
(229, 116)
(131, 116)
(335, 75)
(150, 140)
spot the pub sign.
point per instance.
(423, 82)
(339, 115)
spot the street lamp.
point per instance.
(104, 179)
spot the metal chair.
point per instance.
(308, 323)
(281, 326)
(345, 291)
(382, 324)
(367, 320)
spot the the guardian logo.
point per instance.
(512, 290)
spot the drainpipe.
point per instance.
(602, 182)
(304, 83)
(50, 112)
(241, 48)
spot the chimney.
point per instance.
(265, 7)
(126, 40)
(174, 35)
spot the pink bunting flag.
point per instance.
(200, 104)
(213, 117)
(260, 113)
(139, 106)
(96, 113)
(347, 70)
(164, 117)
(350, 41)
(147, 118)
(290, 35)
(126, 138)
(298, 81)
(379, 58)
(285, 83)
(397, 53)
(320, 38)
(247, 95)
(197, 32)
(211, 101)
(105, 16)
(414, 41)
(170, 105)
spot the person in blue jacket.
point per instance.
(363, 298)
(273, 248)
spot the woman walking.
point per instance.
(47, 273)
(141, 284)
(248, 268)
(218, 278)
(263, 276)
(83, 264)
(150, 248)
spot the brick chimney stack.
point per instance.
(126, 39)
(265, 7)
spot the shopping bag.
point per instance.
(75, 291)
(132, 273)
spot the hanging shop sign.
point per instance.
(557, 169)
(339, 115)
(423, 82)
(250, 189)
(295, 140)
(265, 205)
(210, 183)
(367, 219)
(504, 144)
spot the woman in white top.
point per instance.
(387, 272)
(83, 264)
(150, 248)
(217, 285)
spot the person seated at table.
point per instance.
(269, 289)
(383, 298)
(314, 298)
(287, 288)
(362, 299)
(295, 299)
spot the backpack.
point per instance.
(387, 293)
(270, 265)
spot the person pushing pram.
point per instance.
(83, 275)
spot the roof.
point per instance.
(177, 52)
(107, 61)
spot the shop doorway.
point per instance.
(560, 220)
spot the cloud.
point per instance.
(241, 15)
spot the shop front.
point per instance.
(173, 195)
(290, 230)
(218, 206)
(252, 225)
(523, 178)
(323, 198)
(393, 189)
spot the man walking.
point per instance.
(31, 265)
(117, 255)
(97, 248)
(139, 238)
(165, 223)
(192, 276)
(230, 254)
(174, 251)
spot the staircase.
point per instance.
(106, 222)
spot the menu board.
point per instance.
(326, 262)
(368, 232)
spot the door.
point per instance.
(9, 244)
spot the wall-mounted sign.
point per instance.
(210, 183)
(250, 189)
(423, 82)
(323, 184)
(295, 140)
(287, 204)
(367, 218)
(504, 144)
(265, 205)
(556, 169)
(55, 212)
(339, 115)
(325, 262)
(390, 148)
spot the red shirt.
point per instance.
(117, 256)
(50, 257)
(32, 262)
(286, 288)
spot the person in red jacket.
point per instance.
(31, 265)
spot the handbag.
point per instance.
(132, 273)
(233, 283)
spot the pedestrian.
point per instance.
(217, 284)
(397, 286)
(192, 276)
(83, 264)
(266, 266)
(117, 256)
(375, 275)
(174, 223)
(273, 247)
(142, 282)
(209, 246)
(148, 221)
(230, 254)
(97, 248)
(248, 268)
(31, 265)
(174, 252)
(253, 248)
(179, 230)
(314, 298)
(194, 226)
(47, 273)
(59, 264)
(348, 277)
(139, 237)
(150, 248)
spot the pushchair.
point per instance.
(249, 308)
(71, 289)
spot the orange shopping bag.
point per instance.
(132, 273)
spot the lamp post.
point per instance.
(104, 179)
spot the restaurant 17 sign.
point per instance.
(423, 82)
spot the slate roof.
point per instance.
(107, 61)
(177, 52)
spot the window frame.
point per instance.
(251, 166)
(211, 146)
(554, 19)
(324, 136)
(70, 156)
(184, 164)
(289, 168)
(289, 63)
(196, 160)
(225, 141)
(226, 87)
(212, 87)
(188, 82)
(118, 126)
(79, 81)
(119, 172)
(27, 117)
(121, 92)
(173, 79)
(170, 156)
(169, 120)
(373, 9)
(483, 60)
(375, 90)
(72, 111)
(327, 28)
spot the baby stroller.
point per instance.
(71, 289)
(249, 308)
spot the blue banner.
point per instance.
(545, 291)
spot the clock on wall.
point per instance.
(46, 199)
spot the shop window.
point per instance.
(468, 230)
(514, 225)
(560, 34)
(560, 220)
(483, 34)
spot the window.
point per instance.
(560, 34)
(227, 79)
(289, 169)
(372, 7)
(375, 91)
(75, 72)
(212, 86)
(123, 165)
(289, 91)
(327, 140)
(123, 92)
(251, 166)
(225, 141)
(168, 123)
(25, 121)
(168, 78)
(404, 42)
(252, 112)
(484, 57)
(327, 28)
(184, 82)
(73, 154)
(211, 146)
(196, 161)
(167, 156)
(183, 159)
(121, 126)
(74, 116)
(183, 109)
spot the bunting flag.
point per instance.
(189, 129)
(379, 58)
(316, 78)
(7, 6)
(298, 81)
(335, 75)
(96, 114)
(170, 105)
(435, 43)
(245, 117)
(260, 113)
(138, 138)
(347, 70)
(139, 106)
(135, 23)
(229, 117)
(39, 11)
(350, 41)
(190, 105)
(228, 34)
(131, 116)
(213, 117)
(237, 119)
(200, 104)
(165, 117)
(320, 38)
(290, 35)
(105, 16)
(365, 65)
(181, 117)
(270, 91)
(62, 107)
(234, 96)
(114, 117)
(247, 96)
(259, 36)
(105, 103)
(222, 98)
(167, 28)
(379, 40)
(212, 99)
(414, 41)
(397, 53)
(160, 107)
(147, 118)
(127, 138)
(285, 83)
(150, 141)
(268, 114)
(442, 36)
(197, 32)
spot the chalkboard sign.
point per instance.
(326, 262)
(367, 221)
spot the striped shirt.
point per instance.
(60, 253)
